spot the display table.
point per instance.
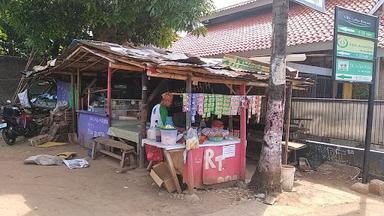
(127, 130)
(211, 163)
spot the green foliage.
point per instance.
(49, 25)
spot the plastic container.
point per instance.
(168, 136)
(158, 135)
(287, 177)
(216, 139)
(151, 133)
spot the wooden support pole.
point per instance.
(230, 118)
(78, 88)
(288, 122)
(188, 90)
(73, 103)
(109, 93)
(188, 124)
(143, 118)
(88, 97)
(191, 175)
(243, 133)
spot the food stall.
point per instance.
(102, 68)
(214, 154)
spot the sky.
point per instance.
(225, 3)
(218, 4)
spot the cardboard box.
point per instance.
(162, 177)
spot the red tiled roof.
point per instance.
(305, 26)
(236, 5)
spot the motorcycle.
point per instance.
(17, 122)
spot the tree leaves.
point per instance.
(47, 26)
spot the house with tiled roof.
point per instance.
(245, 30)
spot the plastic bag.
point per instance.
(24, 101)
(192, 139)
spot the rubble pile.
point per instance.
(55, 127)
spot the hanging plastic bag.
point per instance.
(24, 101)
(192, 139)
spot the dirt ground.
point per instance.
(100, 190)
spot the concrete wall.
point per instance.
(10, 68)
(319, 152)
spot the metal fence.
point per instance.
(339, 118)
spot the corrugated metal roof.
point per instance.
(94, 55)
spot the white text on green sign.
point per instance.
(353, 71)
(351, 47)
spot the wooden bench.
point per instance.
(294, 146)
(127, 152)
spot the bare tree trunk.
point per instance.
(267, 175)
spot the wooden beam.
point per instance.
(250, 89)
(157, 90)
(133, 63)
(98, 54)
(203, 79)
(91, 65)
(89, 85)
(75, 61)
(69, 73)
(230, 87)
(73, 54)
(126, 67)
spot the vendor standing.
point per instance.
(159, 112)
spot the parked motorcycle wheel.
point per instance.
(8, 137)
(33, 130)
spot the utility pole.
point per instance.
(267, 175)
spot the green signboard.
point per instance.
(353, 23)
(244, 64)
(354, 71)
(355, 31)
(354, 46)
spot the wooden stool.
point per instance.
(128, 152)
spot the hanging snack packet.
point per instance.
(235, 104)
(219, 105)
(200, 104)
(186, 102)
(227, 105)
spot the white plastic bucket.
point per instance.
(287, 177)
(168, 137)
(151, 133)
